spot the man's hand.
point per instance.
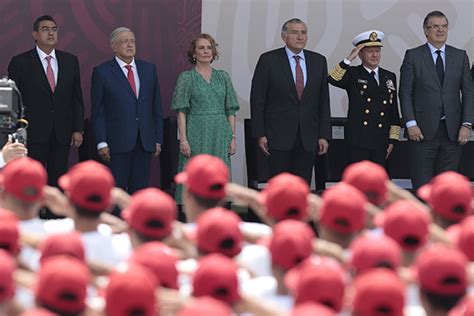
(104, 153)
(157, 150)
(464, 135)
(415, 134)
(355, 52)
(76, 139)
(389, 151)
(263, 144)
(323, 146)
(12, 151)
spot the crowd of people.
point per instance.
(114, 246)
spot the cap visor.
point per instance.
(424, 192)
(64, 182)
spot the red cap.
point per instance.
(38, 312)
(25, 179)
(62, 244)
(319, 280)
(7, 268)
(312, 309)
(62, 284)
(205, 306)
(89, 185)
(205, 176)
(151, 212)
(216, 276)
(464, 308)
(368, 177)
(291, 243)
(9, 232)
(407, 223)
(449, 194)
(131, 291)
(286, 197)
(441, 270)
(343, 209)
(372, 251)
(218, 231)
(378, 292)
(160, 259)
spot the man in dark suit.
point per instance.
(50, 84)
(437, 101)
(126, 112)
(289, 103)
(373, 120)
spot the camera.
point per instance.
(11, 112)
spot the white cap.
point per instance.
(369, 38)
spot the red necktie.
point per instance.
(131, 79)
(50, 73)
(299, 77)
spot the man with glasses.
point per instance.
(437, 101)
(49, 81)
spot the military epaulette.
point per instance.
(394, 132)
(337, 73)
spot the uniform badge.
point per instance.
(361, 81)
(373, 36)
(390, 84)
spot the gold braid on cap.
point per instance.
(337, 73)
(394, 132)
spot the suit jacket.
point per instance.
(276, 111)
(118, 115)
(373, 117)
(62, 110)
(422, 96)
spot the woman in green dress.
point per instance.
(206, 103)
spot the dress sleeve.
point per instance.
(231, 103)
(182, 93)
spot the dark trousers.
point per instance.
(53, 155)
(434, 156)
(131, 170)
(356, 154)
(296, 161)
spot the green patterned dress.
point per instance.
(207, 106)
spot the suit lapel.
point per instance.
(120, 76)
(140, 72)
(428, 60)
(285, 65)
(61, 68)
(448, 64)
(38, 68)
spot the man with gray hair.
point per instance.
(289, 103)
(126, 112)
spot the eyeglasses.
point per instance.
(438, 27)
(49, 29)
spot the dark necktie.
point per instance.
(372, 73)
(131, 79)
(440, 71)
(299, 77)
(440, 67)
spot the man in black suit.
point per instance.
(289, 103)
(437, 101)
(50, 84)
(373, 120)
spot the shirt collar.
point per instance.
(42, 55)
(434, 49)
(370, 70)
(122, 64)
(290, 54)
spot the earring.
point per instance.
(194, 59)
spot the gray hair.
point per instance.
(117, 31)
(284, 28)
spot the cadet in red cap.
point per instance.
(312, 309)
(23, 181)
(205, 306)
(463, 236)
(204, 179)
(8, 305)
(441, 273)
